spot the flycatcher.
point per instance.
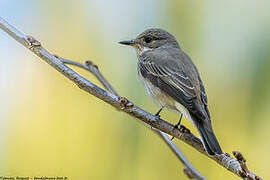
(172, 81)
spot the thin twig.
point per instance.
(92, 68)
(189, 170)
(89, 66)
(119, 102)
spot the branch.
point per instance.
(92, 68)
(89, 66)
(122, 103)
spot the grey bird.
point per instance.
(172, 81)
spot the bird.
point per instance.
(172, 80)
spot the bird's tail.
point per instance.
(208, 137)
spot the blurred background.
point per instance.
(49, 127)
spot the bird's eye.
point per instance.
(148, 39)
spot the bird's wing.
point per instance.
(204, 97)
(172, 79)
(177, 76)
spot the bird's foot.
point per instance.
(183, 129)
(178, 125)
(158, 116)
(158, 113)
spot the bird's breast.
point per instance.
(159, 97)
(162, 99)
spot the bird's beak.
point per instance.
(128, 42)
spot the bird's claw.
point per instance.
(157, 115)
(183, 129)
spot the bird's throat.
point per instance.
(140, 50)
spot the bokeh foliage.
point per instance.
(50, 127)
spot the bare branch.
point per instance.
(92, 68)
(121, 103)
(193, 173)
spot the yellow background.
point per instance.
(49, 127)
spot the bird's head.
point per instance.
(152, 39)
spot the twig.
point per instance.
(190, 171)
(89, 66)
(120, 103)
